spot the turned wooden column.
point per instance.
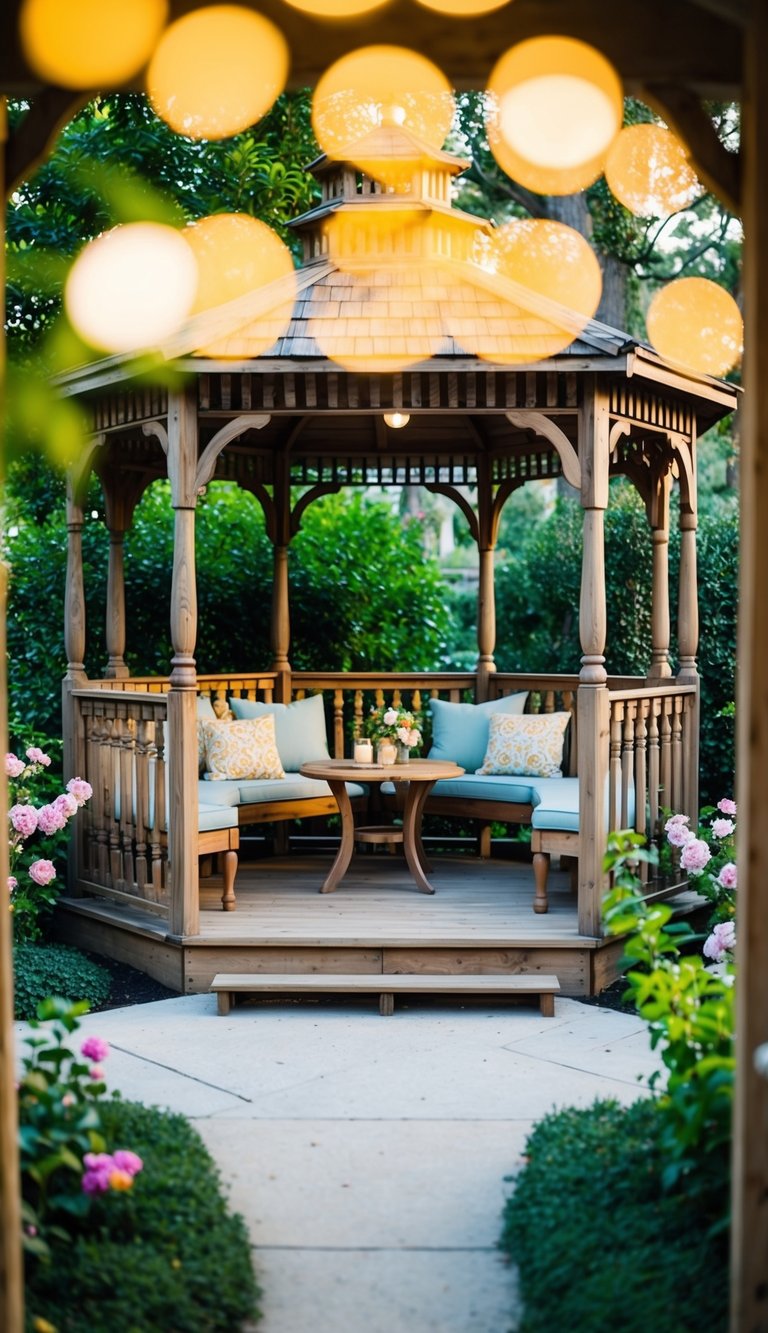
(660, 625)
(749, 1230)
(486, 587)
(592, 699)
(74, 595)
(280, 627)
(182, 695)
(688, 606)
(115, 629)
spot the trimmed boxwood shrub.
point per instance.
(55, 969)
(166, 1257)
(599, 1244)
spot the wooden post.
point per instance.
(749, 1232)
(116, 668)
(182, 696)
(688, 643)
(486, 589)
(660, 668)
(11, 1272)
(281, 604)
(592, 700)
(74, 647)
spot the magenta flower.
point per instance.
(694, 856)
(50, 820)
(14, 767)
(95, 1048)
(36, 756)
(80, 789)
(722, 939)
(42, 872)
(726, 806)
(127, 1161)
(723, 828)
(98, 1168)
(728, 877)
(24, 819)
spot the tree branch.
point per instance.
(719, 170)
(503, 185)
(32, 139)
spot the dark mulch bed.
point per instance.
(129, 986)
(611, 998)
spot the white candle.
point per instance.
(363, 752)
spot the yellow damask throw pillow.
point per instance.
(528, 746)
(242, 750)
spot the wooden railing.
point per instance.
(122, 848)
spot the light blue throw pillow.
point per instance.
(299, 728)
(460, 731)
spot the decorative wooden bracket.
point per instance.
(156, 430)
(206, 465)
(619, 430)
(451, 493)
(308, 498)
(538, 424)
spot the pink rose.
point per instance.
(98, 1168)
(42, 872)
(728, 876)
(723, 828)
(722, 939)
(50, 820)
(726, 806)
(127, 1161)
(679, 834)
(14, 767)
(694, 856)
(80, 789)
(95, 1048)
(67, 804)
(96, 1073)
(35, 756)
(676, 819)
(24, 819)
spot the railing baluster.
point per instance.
(641, 794)
(677, 754)
(143, 745)
(159, 839)
(627, 760)
(666, 755)
(654, 768)
(614, 765)
(338, 723)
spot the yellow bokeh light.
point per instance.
(366, 236)
(336, 9)
(216, 71)
(541, 286)
(90, 43)
(648, 171)
(463, 8)
(375, 86)
(696, 325)
(555, 107)
(132, 287)
(236, 255)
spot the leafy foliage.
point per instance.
(41, 970)
(166, 1255)
(599, 1241)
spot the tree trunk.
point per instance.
(573, 211)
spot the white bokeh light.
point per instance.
(132, 287)
(557, 120)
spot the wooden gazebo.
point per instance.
(290, 425)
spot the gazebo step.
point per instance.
(227, 985)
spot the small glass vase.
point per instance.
(386, 752)
(403, 753)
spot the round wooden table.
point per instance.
(419, 777)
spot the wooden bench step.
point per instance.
(227, 985)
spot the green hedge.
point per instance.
(167, 1257)
(41, 970)
(598, 1243)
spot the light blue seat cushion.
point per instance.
(293, 787)
(218, 793)
(299, 728)
(205, 711)
(460, 731)
(211, 817)
(557, 804)
(477, 787)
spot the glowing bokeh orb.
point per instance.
(380, 85)
(696, 325)
(336, 9)
(463, 8)
(90, 43)
(539, 287)
(555, 107)
(648, 171)
(216, 71)
(131, 287)
(236, 254)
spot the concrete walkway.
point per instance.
(368, 1154)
